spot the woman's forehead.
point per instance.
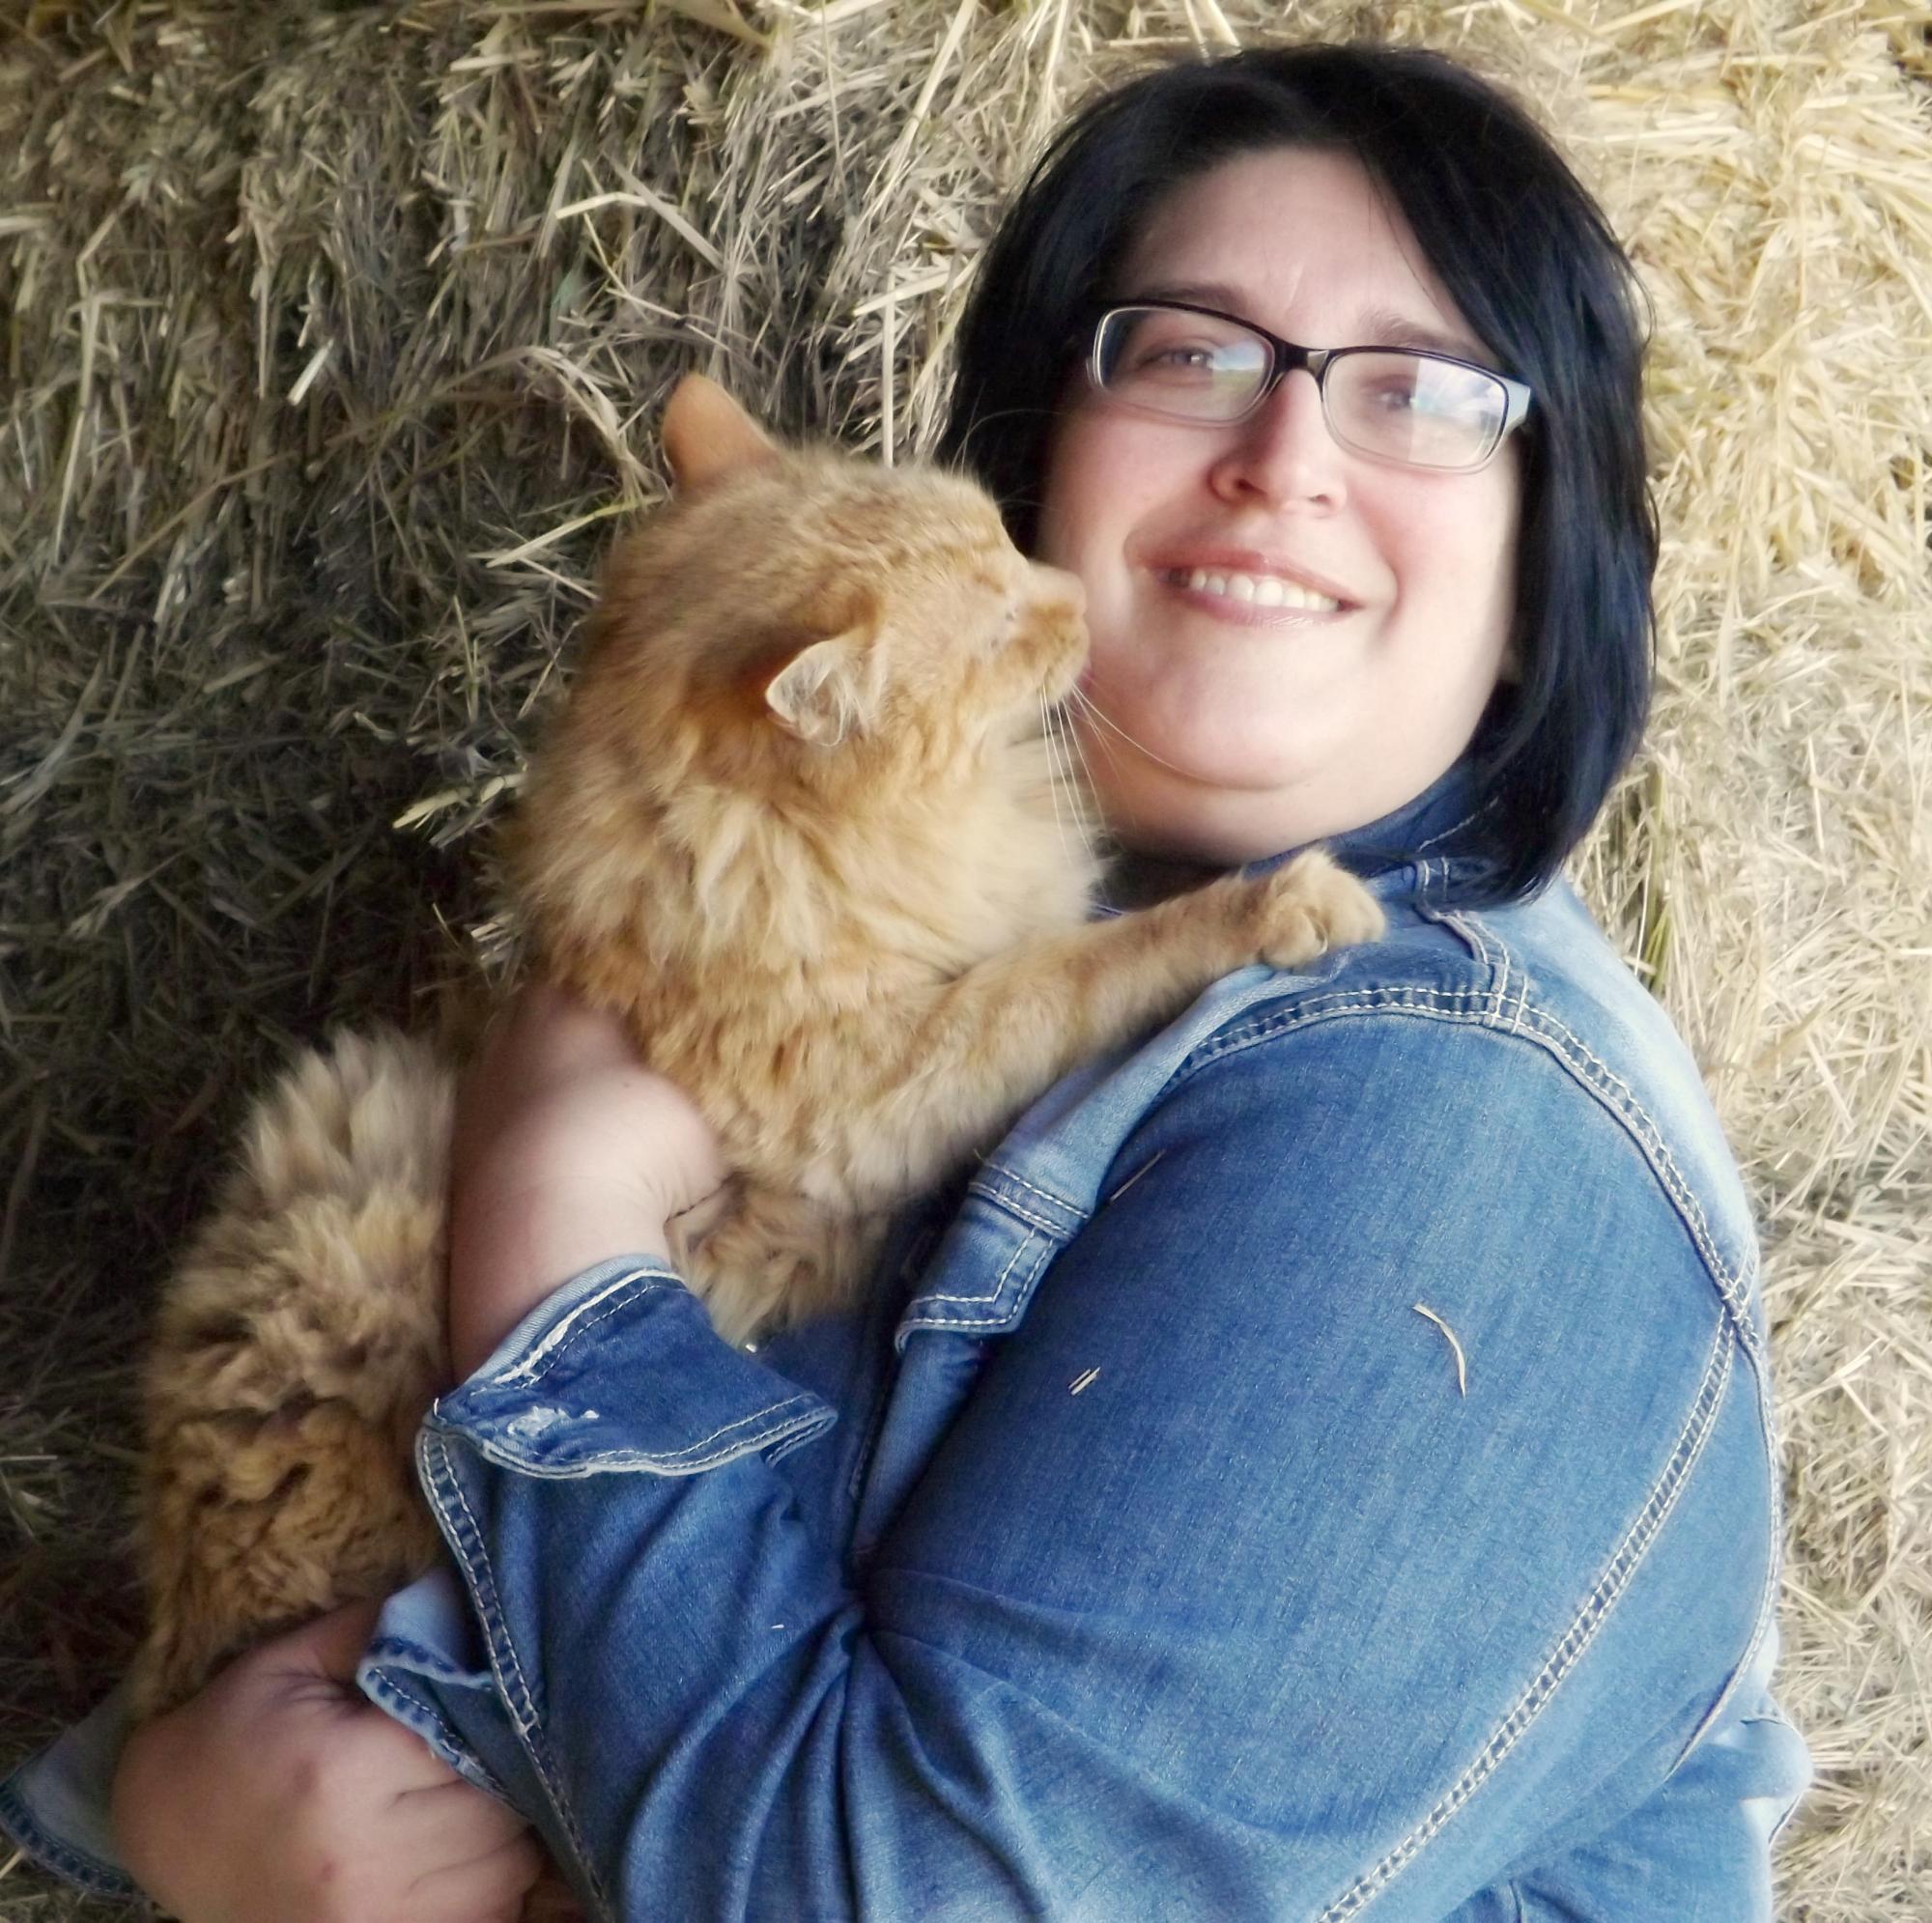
(1295, 238)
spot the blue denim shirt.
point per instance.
(1319, 1464)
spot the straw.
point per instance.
(335, 338)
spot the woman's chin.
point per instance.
(1206, 822)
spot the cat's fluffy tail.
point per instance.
(299, 1343)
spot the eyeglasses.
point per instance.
(1409, 405)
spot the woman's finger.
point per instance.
(481, 1890)
(386, 1761)
(454, 1822)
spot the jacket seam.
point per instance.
(765, 1432)
(1454, 828)
(1491, 956)
(557, 1343)
(1542, 1029)
(24, 1829)
(1767, 1597)
(987, 1192)
(1595, 1611)
(1033, 1188)
(558, 1338)
(1046, 1248)
(413, 1710)
(440, 1483)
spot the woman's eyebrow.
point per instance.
(1383, 326)
(1374, 326)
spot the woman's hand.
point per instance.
(568, 1151)
(280, 1795)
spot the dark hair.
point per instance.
(1526, 255)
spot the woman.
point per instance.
(1322, 1462)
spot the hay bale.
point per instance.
(333, 341)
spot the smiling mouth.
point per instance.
(1251, 590)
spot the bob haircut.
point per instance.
(1524, 251)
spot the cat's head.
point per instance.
(798, 616)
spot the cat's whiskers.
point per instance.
(1071, 736)
(1101, 714)
(1082, 792)
(1057, 773)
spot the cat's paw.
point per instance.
(1308, 906)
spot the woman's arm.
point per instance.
(567, 1150)
(279, 1794)
(1276, 1612)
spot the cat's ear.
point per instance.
(828, 691)
(707, 436)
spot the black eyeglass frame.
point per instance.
(1287, 357)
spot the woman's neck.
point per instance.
(1138, 879)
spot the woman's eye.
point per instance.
(1393, 397)
(1176, 356)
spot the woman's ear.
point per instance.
(708, 436)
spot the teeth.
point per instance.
(1262, 591)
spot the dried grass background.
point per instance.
(334, 339)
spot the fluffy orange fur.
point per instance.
(798, 825)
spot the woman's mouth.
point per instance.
(1247, 597)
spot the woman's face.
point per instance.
(1228, 730)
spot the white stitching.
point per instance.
(977, 1322)
(496, 1636)
(1007, 1174)
(1493, 956)
(497, 1451)
(987, 1193)
(567, 1331)
(1443, 918)
(406, 1707)
(1572, 1645)
(1474, 814)
(444, 1476)
(992, 1294)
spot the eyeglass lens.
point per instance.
(1384, 402)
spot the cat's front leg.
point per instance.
(1004, 1030)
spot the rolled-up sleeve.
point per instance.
(1373, 1502)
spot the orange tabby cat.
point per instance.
(797, 825)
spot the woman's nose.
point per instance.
(1282, 452)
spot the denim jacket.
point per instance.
(1321, 1464)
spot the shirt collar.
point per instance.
(1429, 823)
